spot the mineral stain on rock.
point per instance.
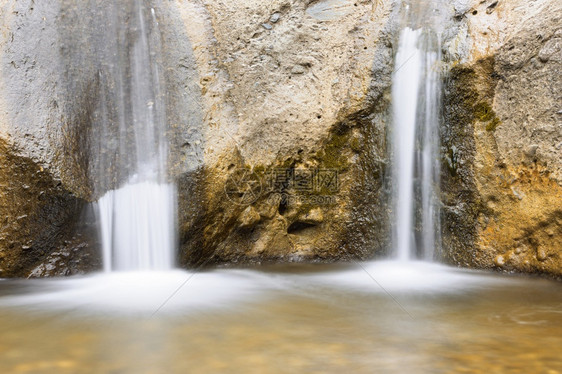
(505, 193)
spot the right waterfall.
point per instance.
(416, 100)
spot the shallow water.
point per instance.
(381, 317)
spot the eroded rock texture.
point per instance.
(296, 87)
(39, 233)
(43, 149)
(503, 140)
(292, 86)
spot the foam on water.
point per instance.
(398, 277)
(183, 292)
(139, 293)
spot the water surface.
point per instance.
(381, 317)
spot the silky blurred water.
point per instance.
(414, 144)
(380, 317)
(137, 207)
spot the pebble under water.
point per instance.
(383, 317)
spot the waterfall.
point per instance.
(405, 91)
(137, 217)
(427, 152)
(416, 90)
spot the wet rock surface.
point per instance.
(39, 222)
(291, 90)
(502, 181)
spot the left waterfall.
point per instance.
(137, 213)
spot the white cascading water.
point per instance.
(138, 219)
(415, 146)
(428, 154)
(137, 226)
(405, 90)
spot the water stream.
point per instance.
(416, 95)
(137, 219)
(405, 92)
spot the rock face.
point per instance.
(503, 140)
(43, 184)
(277, 115)
(55, 59)
(291, 93)
(39, 228)
(295, 98)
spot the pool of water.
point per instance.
(379, 317)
